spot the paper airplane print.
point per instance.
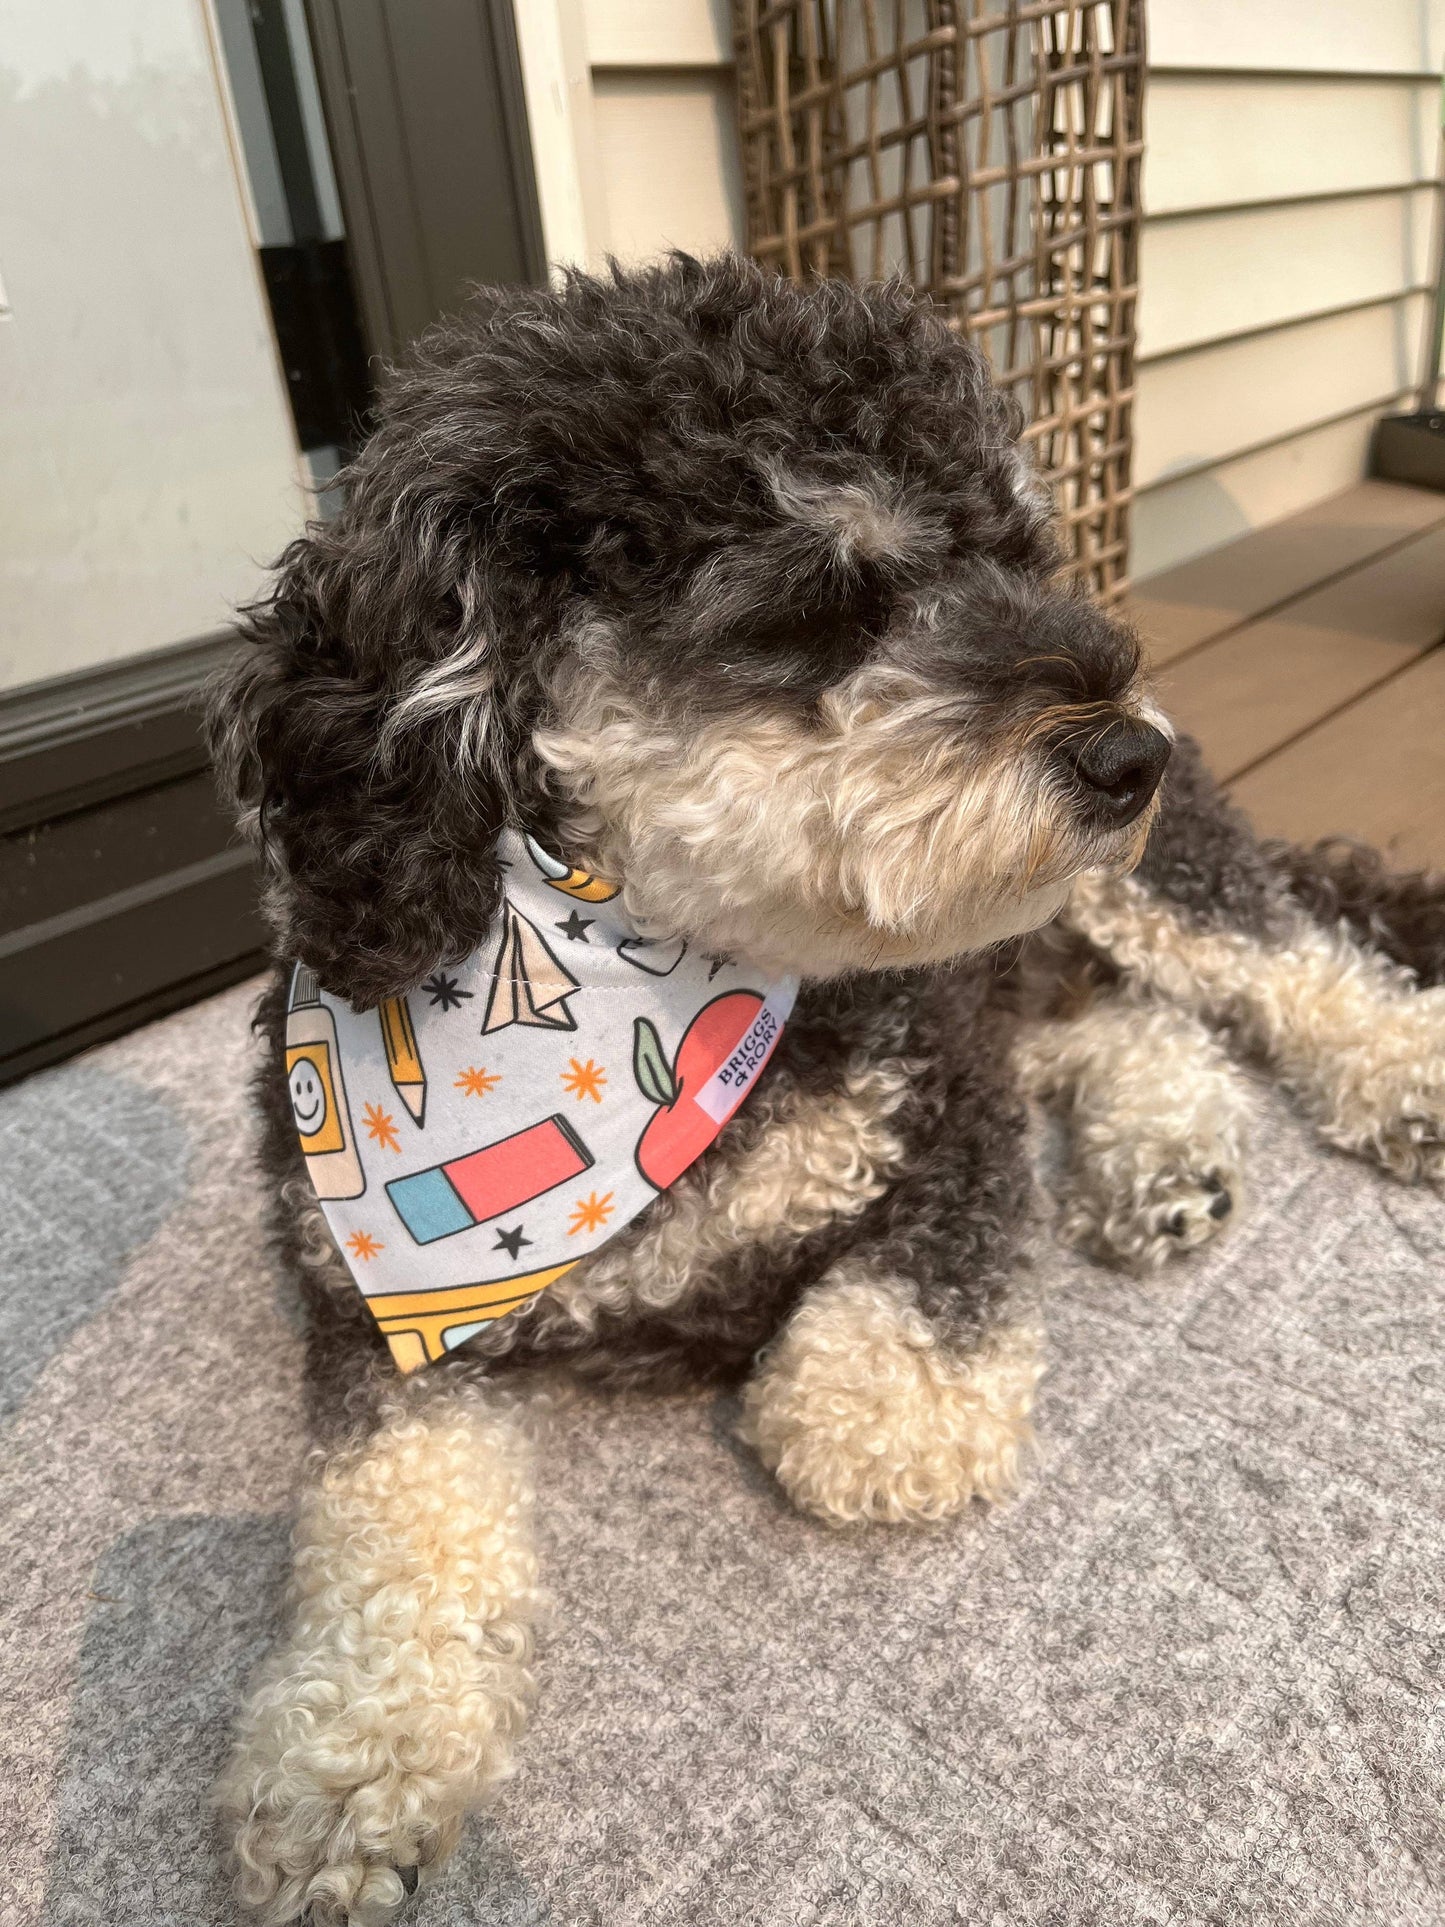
(529, 985)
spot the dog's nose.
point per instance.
(1119, 768)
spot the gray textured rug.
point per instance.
(1195, 1674)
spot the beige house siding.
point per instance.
(1286, 246)
(632, 123)
(666, 141)
(1285, 253)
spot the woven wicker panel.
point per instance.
(991, 154)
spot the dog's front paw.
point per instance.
(394, 1706)
(1150, 1218)
(1380, 1092)
(1156, 1125)
(328, 1825)
(334, 1893)
(289, 1875)
(864, 1412)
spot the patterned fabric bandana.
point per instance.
(471, 1142)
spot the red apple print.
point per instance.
(681, 1131)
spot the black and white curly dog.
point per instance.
(745, 596)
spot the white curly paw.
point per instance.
(394, 1707)
(1378, 1088)
(862, 1411)
(1159, 1213)
(327, 1826)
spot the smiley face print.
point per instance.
(309, 1082)
(316, 1088)
(308, 1097)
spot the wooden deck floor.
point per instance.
(1309, 659)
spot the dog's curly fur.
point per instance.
(745, 596)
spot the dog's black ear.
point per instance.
(360, 739)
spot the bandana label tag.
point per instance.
(730, 1082)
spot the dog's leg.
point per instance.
(1347, 1032)
(1401, 914)
(867, 1409)
(1157, 1119)
(900, 1386)
(396, 1698)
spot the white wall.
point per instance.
(1284, 250)
(147, 463)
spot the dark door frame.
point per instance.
(123, 891)
(429, 138)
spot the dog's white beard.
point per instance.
(868, 841)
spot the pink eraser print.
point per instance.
(499, 1177)
(512, 1172)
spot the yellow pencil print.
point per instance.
(403, 1059)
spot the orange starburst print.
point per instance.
(584, 1080)
(380, 1125)
(362, 1245)
(590, 1213)
(476, 1083)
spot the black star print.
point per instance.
(443, 990)
(511, 1241)
(576, 927)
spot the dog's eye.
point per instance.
(784, 634)
(836, 631)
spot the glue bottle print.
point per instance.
(318, 1093)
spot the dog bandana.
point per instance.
(472, 1141)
